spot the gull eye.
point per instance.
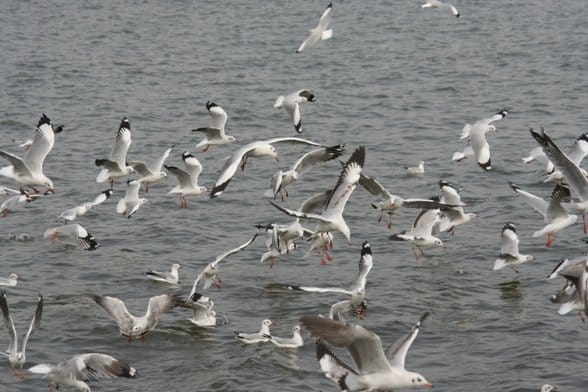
(419, 380)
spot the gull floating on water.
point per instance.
(84, 367)
(416, 171)
(166, 277)
(376, 369)
(438, 4)
(320, 32)
(116, 165)
(556, 217)
(509, 249)
(74, 234)
(452, 216)
(202, 313)
(74, 212)
(138, 326)
(257, 337)
(215, 134)
(151, 173)
(130, 204)
(17, 357)
(188, 179)
(292, 103)
(548, 388)
(28, 171)
(11, 281)
(295, 341)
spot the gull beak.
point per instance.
(273, 322)
(429, 385)
(277, 158)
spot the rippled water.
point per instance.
(399, 79)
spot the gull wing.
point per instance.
(141, 168)
(8, 323)
(183, 177)
(230, 168)
(303, 215)
(320, 155)
(561, 193)
(509, 242)
(121, 144)
(425, 222)
(219, 116)
(536, 202)
(314, 202)
(42, 145)
(347, 182)
(371, 185)
(236, 250)
(17, 163)
(160, 305)
(35, 323)
(116, 310)
(211, 133)
(158, 163)
(292, 140)
(93, 366)
(396, 353)
(194, 168)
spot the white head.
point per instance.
(162, 175)
(296, 329)
(232, 139)
(548, 388)
(13, 277)
(491, 128)
(414, 379)
(175, 267)
(267, 323)
(438, 242)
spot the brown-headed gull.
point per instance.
(331, 219)
(11, 281)
(151, 173)
(416, 170)
(17, 355)
(275, 244)
(509, 249)
(74, 212)
(439, 4)
(202, 313)
(209, 274)
(164, 276)
(576, 154)
(28, 170)
(291, 103)
(556, 217)
(320, 32)
(188, 179)
(138, 326)
(280, 180)
(75, 372)
(295, 341)
(116, 165)
(215, 134)
(569, 296)
(376, 369)
(255, 149)
(452, 216)
(257, 337)
(483, 125)
(74, 234)
(130, 204)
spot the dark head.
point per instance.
(365, 248)
(186, 155)
(210, 105)
(195, 297)
(509, 226)
(583, 137)
(107, 193)
(308, 95)
(44, 120)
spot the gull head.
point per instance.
(232, 139)
(13, 277)
(19, 360)
(267, 323)
(491, 128)
(296, 329)
(418, 380)
(175, 267)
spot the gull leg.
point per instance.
(415, 253)
(585, 225)
(323, 261)
(422, 251)
(217, 283)
(4, 212)
(111, 182)
(389, 220)
(272, 261)
(549, 242)
(146, 187)
(243, 163)
(206, 148)
(329, 257)
(53, 238)
(130, 339)
(582, 317)
(515, 270)
(452, 231)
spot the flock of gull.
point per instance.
(375, 368)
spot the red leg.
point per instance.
(206, 148)
(53, 239)
(585, 225)
(415, 254)
(549, 242)
(146, 187)
(329, 257)
(217, 283)
(4, 212)
(111, 182)
(272, 262)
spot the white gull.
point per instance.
(320, 32)
(116, 165)
(509, 249)
(215, 134)
(291, 103)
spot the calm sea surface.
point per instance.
(399, 79)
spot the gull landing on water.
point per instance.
(438, 4)
(509, 249)
(215, 134)
(72, 213)
(11, 281)
(320, 32)
(292, 103)
(116, 164)
(569, 296)
(75, 234)
(202, 313)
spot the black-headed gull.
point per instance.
(255, 149)
(138, 326)
(164, 276)
(452, 216)
(569, 296)
(421, 233)
(416, 170)
(14, 201)
(209, 274)
(28, 171)
(320, 32)
(438, 4)
(151, 173)
(291, 103)
(75, 372)
(17, 356)
(331, 219)
(572, 173)
(188, 179)
(556, 217)
(74, 212)
(376, 369)
(202, 313)
(295, 341)
(576, 154)
(304, 164)
(116, 165)
(11, 281)
(74, 234)
(257, 337)
(509, 249)
(355, 306)
(130, 204)
(483, 125)
(215, 134)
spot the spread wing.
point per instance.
(236, 250)
(536, 202)
(347, 182)
(509, 242)
(121, 144)
(116, 310)
(8, 323)
(94, 366)
(230, 168)
(396, 353)
(317, 156)
(183, 177)
(42, 145)
(160, 305)
(371, 185)
(35, 323)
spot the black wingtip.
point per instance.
(365, 248)
(514, 187)
(125, 124)
(217, 190)
(210, 104)
(487, 166)
(509, 226)
(186, 155)
(294, 288)
(44, 120)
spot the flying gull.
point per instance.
(151, 173)
(291, 103)
(74, 234)
(116, 165)
(215, 134)
(438, 4)
(320, 32)
(188, 179)
(130, 204)
(509, 249)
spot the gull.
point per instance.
(151, 173)
(75, 234)
(548, 388)
(390, 203)
(509, 249)
(166, 277)
(483, 125)
(573, 175)
(28, 171)
(74, 212)
(416, 171)
(20, 198)
(202, 313)
(130, 204)
(210, 273)
(215, 134)
(569, 296)
(421, 233)
(376, 369)
(355, 306)
(275, 245)
(438, 4)
(331, 218)
(291, 103)
(295, 341)
(537, 154)
(137, 326)
(320, 32)
(78, 370)
(6, 191)
(556, 217)
(11, 281)
(116, 165)
(365, 265)
(16, 357)
(304, 164)
(254, 149)
(577, 154)
(257, 337)
(188, 179)
(453, 216)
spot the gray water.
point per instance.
(396, 78)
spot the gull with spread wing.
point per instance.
(74, 234)
(291, 103)
(215, 134)
(74, 212)
(151, 173)
(509, 249)
(320, 32)
(130, 204)
(116, 165)
(188, 179)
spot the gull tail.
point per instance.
(42, 368)
(499, 264)
(279, 102)
(458, 156)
